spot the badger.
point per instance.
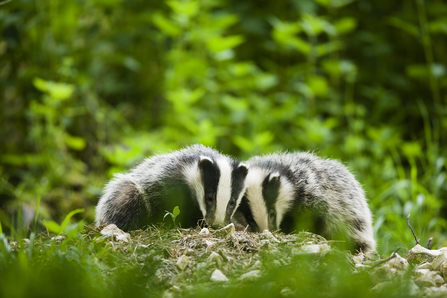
(204, 183)
(300, 191)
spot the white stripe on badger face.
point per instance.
(255, 177)
(223, 195)
(192, 174)
(284, 200)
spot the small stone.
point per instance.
(438, 261)
(443, 269)
(209, 243)
(420, 272)
(385, 273)
(226, 231)
(251, 275)
(270, 236)
(114, 232)
(182, 262)
(429, 279)
(311, 249)
(419, 254)
(169, 293)
(424, 266)
(436, 292)
(287, 292)
(217, 275)
(372, 256)
(361, 266)
(257, 264)
(398, 262)
(215, 257)
(383, 286)
(412, 288)
(204, 231)
(59, 238)
(358, 259)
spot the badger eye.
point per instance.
(210, 198)
(232, 203)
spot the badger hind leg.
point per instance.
(125, 208)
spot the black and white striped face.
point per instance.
(269, 196)
(219, 184)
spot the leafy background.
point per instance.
(90, 87)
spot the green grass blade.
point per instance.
(67, 219)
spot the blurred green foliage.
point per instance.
(90, 87)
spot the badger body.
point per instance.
(202, 182)
(300, 191)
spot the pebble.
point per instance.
(386, 285)
(424, 266)
(217, 275)
(429, 279)
(398, 262)
(182, 262)
(311, 249)
(438, 261)
(270, 236)
(226, 231)
(443, 269)
(113, 231)
(215, 258)
(204, 231)
(419, 254)
(251, 275)
(436, 291)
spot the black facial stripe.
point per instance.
(270, 191)
(238, 174)
(244, 207)
(210, 175)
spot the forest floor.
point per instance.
(163, 262)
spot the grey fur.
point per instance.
(284, 188)
(198, 179)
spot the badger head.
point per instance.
(269, 196)
(220, 188)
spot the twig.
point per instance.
(414, 235)
(429, 243)
(4, 2)
(393, 255)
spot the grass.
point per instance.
(88, 264)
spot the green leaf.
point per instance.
(220, 43)
(67, 219)
(189, 8)
(176, 211)
(345, 25)
(313, 25)
(76, 143)
(52, 226)
(318, 85)
(166, 26)
(405, 26)
(58, 91)
(244, 143)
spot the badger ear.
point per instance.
(242, 169)
(274, 178)
(205, 163)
